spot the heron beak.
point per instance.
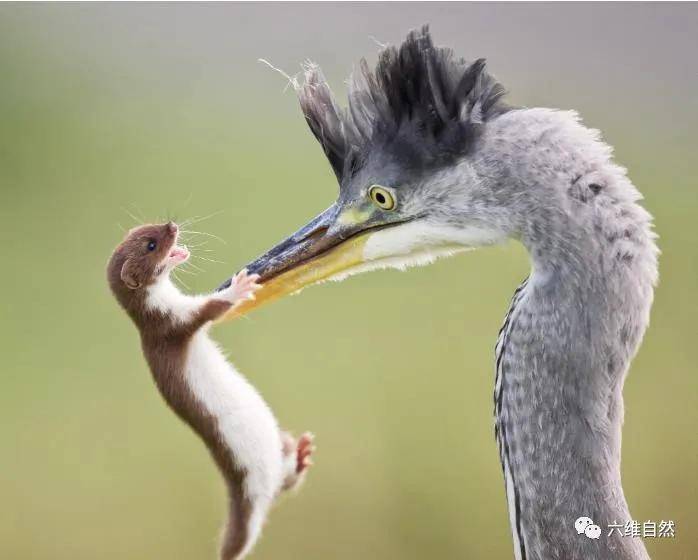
(327, 246)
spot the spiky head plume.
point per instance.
(420, 103)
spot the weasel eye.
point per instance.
(152, 244)
(381, 197)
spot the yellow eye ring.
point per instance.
(381, 197)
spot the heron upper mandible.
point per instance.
(431, 161)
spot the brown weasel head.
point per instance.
(146, 255)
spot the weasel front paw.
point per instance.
(243, 286)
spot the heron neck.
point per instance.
(548, 181)
(563, 357)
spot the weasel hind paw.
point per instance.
(298, 455)
(304, 450)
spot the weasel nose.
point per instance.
(172, 228)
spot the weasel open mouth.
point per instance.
(178, 254)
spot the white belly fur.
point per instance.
(245, 421)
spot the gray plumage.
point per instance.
(467, 171)
(572, 330)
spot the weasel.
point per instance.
(257, 460)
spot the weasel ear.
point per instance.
(129, 274)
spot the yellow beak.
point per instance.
(336, 260)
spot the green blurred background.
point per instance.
(153, 110)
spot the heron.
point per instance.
(431, 161)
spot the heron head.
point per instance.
(402, 152)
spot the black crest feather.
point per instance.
(420, 102)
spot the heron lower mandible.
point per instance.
(430, 162)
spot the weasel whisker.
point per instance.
(209, 260)
(190, 231)
(138, 212)
(196, 219)
(180, 281)
(191, 264)
(199, 243)
(182, 269)
(131, 215)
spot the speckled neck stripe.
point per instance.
(500, 428)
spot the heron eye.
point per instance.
(381, 197)
(152, 244)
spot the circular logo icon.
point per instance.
(582, 523)
(592, 531)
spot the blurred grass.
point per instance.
(393, 371)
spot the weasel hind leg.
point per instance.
(246, 518)
(297, 458)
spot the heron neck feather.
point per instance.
(571, 336)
